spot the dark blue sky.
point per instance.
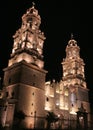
(59, 19)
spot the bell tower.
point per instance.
(74, 78)
(28, 40)
(24, 78)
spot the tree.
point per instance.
(51, 117)
(19, 116)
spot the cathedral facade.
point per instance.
(25, 91)
(69, 96)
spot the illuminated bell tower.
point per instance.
(28, 40)
(74, 78)
(24, 78)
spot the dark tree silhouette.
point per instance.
(19, 116)
(51, 117)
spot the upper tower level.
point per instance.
(72, 50)
(31, 19)
(73, 65)
(29, 40)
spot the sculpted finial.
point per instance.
(71, 35)
(33, 3)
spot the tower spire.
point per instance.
(71, 36)
(29, 41)
(33, 4)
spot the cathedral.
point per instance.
(25, 90)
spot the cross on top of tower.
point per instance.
(72, 42)
(33, 4)
(71, 35)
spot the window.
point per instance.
(33, 93)
(7, 94)
(9, 80)
(12, 95)
(47, 99)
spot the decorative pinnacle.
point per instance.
(33, 3)
(71, 35)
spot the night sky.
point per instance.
(58, 20)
